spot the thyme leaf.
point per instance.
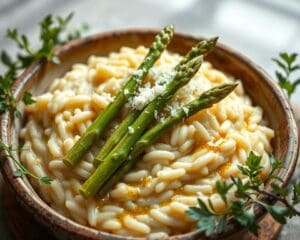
(287, 67)
(21, 168)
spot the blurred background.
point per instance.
(260, 29)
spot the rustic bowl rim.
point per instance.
(45, 212)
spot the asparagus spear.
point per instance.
(102, 121)
(206, 100)
(201, 48)
(119, 154)
(116, 137)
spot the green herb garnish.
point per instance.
(22, 170)
(242, 208)
(288, 66)
(53, 32)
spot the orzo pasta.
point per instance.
(180, 167)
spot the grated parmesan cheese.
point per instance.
(137, 72)
(145, 95)
(115, 127)
(186, 110)
(161, 76)
(130, 130)
(156, 115)
(172, 108)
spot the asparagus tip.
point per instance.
(211, 43)
(195, 63)
(214, 40)
(231, 86)
(170, 27)
(223, 90)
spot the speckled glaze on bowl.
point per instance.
(37, 78)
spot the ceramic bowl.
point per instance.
(37, 78)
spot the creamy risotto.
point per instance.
(180, 167)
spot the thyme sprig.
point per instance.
(53, 32)
(287, 67)
(246, 190)
(21, 169)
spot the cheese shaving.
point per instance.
(130, 130)
(145, 95)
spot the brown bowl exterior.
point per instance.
(259, 86)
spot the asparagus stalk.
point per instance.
(102, 121)
(206, 100)
(119, 154)
(116, 137)
(201, 48)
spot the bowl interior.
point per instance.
(257, 84)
